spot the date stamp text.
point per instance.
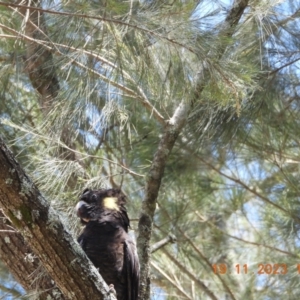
(260, 269)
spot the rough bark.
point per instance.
(171, 131)
(24, 265)
(46, 235)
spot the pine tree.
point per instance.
(189, 107)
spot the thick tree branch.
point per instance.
(46, 235)
(171, 131)
(24, 265)
(41, 71)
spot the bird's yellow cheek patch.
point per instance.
(111, 203)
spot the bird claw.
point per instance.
(111, 289)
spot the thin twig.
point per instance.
(192, 276)
(244, 241)
(199, 252)
(169, 239)
(200, 284)
(82, 155)
(252, 190)
(103, 19)
(142, 97)
(180, 290)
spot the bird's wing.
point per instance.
(133, 269)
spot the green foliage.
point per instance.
(230, 189)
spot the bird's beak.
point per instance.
(80, 209)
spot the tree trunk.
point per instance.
(45, 234)
(23, 264)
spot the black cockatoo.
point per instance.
(106, 241)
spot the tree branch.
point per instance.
(178, 288)
(251, 190)
(204, 258)
(141, 97)
(192, 276)
(24, 265)
(169, 239)
(245, 241)
(41, 70)
(16, 294)
(103, 19)
(39, 61)
(46, 235)
(172, 130)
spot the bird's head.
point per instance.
(94, 205)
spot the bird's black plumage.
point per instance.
(106, 241)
